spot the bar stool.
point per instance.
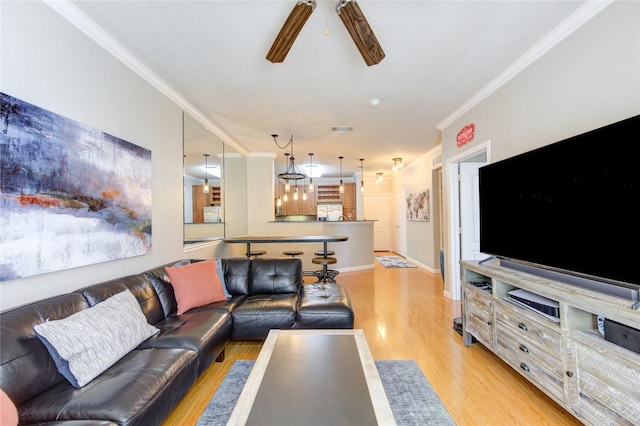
(292, 253)
(321, 253)
(325, 275)
(255, 253)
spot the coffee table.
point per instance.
(313, 377)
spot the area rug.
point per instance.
(394, 262)
(410, 395)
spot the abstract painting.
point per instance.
(70, 195)
(418, 206)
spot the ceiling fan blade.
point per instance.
(360, 31)
(290, 30)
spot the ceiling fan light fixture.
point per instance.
(360, 31)
(290, 30)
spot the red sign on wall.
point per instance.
(466, 134)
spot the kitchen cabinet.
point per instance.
(349, 201)
(293, 207)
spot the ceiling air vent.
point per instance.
(342, 129)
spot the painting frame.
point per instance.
(418, 206)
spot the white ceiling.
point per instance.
(439, 56)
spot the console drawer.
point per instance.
(541, 334)
(546, 373)
(479, 316)
(525, 350)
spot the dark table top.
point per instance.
(286, 239)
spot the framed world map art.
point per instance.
(70, 195)
(418, 206)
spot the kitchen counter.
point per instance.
(353, 255)
(321, 221)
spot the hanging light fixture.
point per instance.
(291, 173)
(311, 188)
(205, 188)
(361, 175)
(304, 191)
(397, 164)
(287, 186)
(341, 184)
(379, 177)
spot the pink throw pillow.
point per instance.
(195, 284)
(8, 411)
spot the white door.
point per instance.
(376, 207)
(470, 211)
(399, 223)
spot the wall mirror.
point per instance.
(204, 206)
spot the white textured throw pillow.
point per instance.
(85, 344)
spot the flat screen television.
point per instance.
(570, 207)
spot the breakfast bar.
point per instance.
(248, 239)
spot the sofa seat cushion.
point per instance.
(260, 313)
(324, 306)
(88, 342)
(140, 389)
(205, 332)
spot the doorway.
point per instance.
(399, 223)
(463, 232)
(376, 207)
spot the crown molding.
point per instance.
(88, 27)
(572, 23)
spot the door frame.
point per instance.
(452, 191)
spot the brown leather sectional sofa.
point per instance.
(142, 387)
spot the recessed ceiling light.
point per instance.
(375, 102)
(342, 129)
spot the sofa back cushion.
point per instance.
(26, 368)
(139, 285)
(273, 276)
(162, 285)
(196, 284)
(237, 275)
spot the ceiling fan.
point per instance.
(352, 18)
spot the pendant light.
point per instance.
(341, 184)
(205, 188)
(379, 177)
(397, 164)
(361, 175)
(311, 188)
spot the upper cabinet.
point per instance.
(329, 194)
(349, 201)
(293, 207)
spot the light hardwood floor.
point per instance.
(405, 316)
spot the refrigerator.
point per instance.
(329, 212)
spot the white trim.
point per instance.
(86, 25)
(452, 266)
(572, 23)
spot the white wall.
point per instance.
(590, 79)
(49, 63)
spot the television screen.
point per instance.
(571, 205)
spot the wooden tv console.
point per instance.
(567, 358)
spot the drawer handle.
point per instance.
(524, 366)
(524, 349)
(569, 374)
(523, 326)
